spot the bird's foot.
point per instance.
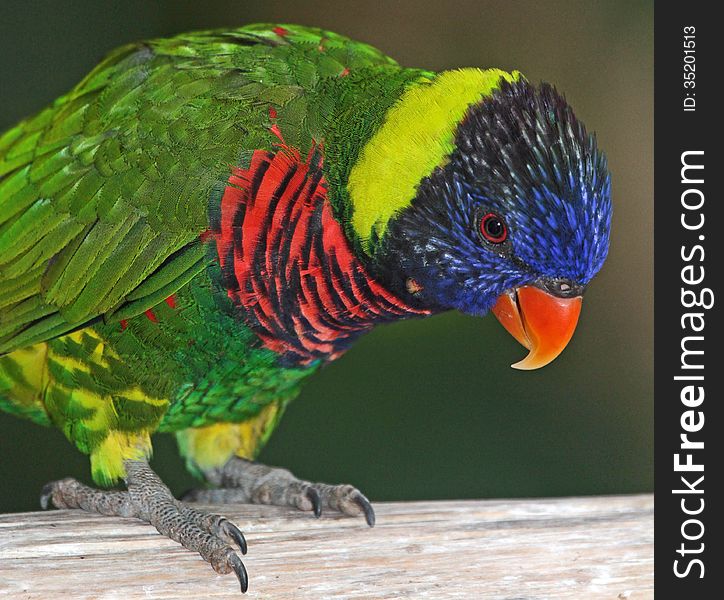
(243, 481)
(149, 499)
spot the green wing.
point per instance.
(103, 195)
(87, 208)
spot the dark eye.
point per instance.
(493, 228)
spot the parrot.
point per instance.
(206, 220)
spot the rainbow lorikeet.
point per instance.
(204, 221)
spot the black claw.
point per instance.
(313, 496)
(45, 495)
(235, 534)
(366, 507)
(240, 571)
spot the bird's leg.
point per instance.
(241, 480)
(150, 500)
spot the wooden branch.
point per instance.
(582, 548)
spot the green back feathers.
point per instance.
(104, 193)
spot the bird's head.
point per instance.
(516, 220)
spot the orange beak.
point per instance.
(543, 323)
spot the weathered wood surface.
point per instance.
(582, 548)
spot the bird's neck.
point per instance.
(288, 266)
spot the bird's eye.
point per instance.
(493, 228)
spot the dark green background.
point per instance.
(426, 409)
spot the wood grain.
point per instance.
(582, 548)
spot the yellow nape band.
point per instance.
(416, 136)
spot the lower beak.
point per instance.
(543, 323)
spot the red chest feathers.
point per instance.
(287, 264)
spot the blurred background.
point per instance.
(424, 409)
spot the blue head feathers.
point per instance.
(524, 199)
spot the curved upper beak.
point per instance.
(542, 322)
